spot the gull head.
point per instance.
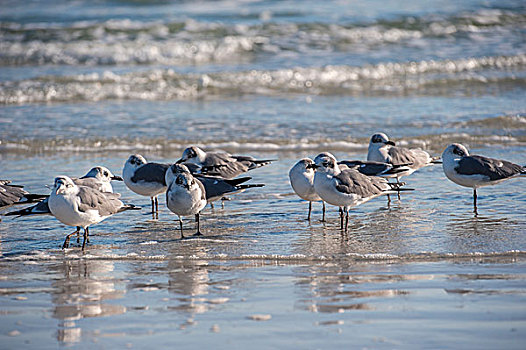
(63, 185)
(103, 174)
(192, 154)
(174, 170)
(380, 139)
(185, 180)
(304, 165)
(326, 162)
(455, 151)
(136, 160)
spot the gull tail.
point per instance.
(128, 207)
(244, 187)
(259, 163)
(264, 162)
(398, 187)
(238, 181)
(32, 197)
(41, 208)
(436, 160)
(396, 169)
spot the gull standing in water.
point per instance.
(98, 178)
(346, 188)
(186, 196)
(146, 179)
(476, 171)
(220, 164)
(301, 177)
(215, 187)
(82, 206)
(381, 149)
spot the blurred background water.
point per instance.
(86, 83)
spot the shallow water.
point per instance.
(89, 83)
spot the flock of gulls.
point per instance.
(200, 177)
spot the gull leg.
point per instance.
(198, 233)
(153, 205)
(156, 204)
(341, 218)
(398, 192)
(346, 220)
(86, 234)
(222, 204)
(323, 212)
(78, 234)
(66, 242)
(181, 226)
(211, 205)
(475, 201)
(310, 209)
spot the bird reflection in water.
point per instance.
(81, 293)
(335, 288)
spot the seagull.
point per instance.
(301, 177)
(476, 171)
(98, 178)
(215, 187)
(220, 164)
(346, 188)
(82, 206)
(381, 149)
(146, 179)
(186, 196)
(15, 194)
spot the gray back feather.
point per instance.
(151, 172)
(416, 157)
(10, 194)
(351, 181)
(472, 165)
(106, 203)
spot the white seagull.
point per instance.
(301, 177)
(98, 178)
(215, 187)
(476, 171)
(220, 164)
(186, 196)
(381, 149)
(346, 188)
(146, 179)
(82, 206)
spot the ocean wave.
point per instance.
(127, 41)
(420, 78)
(73, 254)
(432, 142)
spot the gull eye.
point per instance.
(458, 151)
(106, 173)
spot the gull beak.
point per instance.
(390, 143)
(117, 178)
(312, 166)
(179, 161)
(59, 185)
